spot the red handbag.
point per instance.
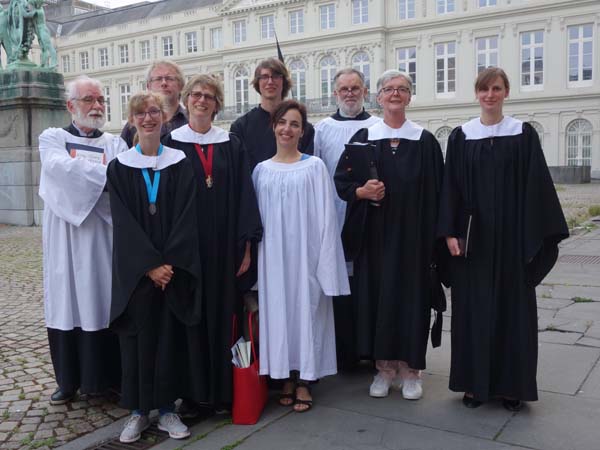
(250, 390)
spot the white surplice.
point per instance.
(77, 231)
(300, 266)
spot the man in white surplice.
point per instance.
(77, 244)
(331, 134)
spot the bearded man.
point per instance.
(77, 244)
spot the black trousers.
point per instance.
(85, 360)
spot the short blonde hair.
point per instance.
(488, 76)
(206, 81)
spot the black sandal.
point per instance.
(285, 396)
(299, 401)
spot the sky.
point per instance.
(114, 3)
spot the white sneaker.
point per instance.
(380, 387)
(133, 428)
(412, 389)
(171, 423)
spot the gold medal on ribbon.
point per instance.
(209, 182)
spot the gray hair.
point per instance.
(170, 65)
(72, 88)
(390, 75)
(349, 71)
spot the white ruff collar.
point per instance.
(215, 135)
(508, 126)
(409, 130)
(168, 157)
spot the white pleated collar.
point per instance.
(409, 130)
(508, 126)
(351, 123)
(168, 157)
(185, 133)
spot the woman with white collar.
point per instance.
(389, 233)
(502, 222)
(156, 292)
(229, 225)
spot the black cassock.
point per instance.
(228, 217)
(504, 183)
(393, 247)
(158, 330)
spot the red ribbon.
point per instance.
(207, 163)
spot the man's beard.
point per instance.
(351, 111)
(88, 121)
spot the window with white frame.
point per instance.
(84, 60)
(124, 53)
(267, 27)
(216, 40)
(445, 68)
(106, 94)
(360, 11)
(103, 57)
(579, 143)
(445, 6)
(125, 91)
(539, 129)
(145, 50)
(484, 3)
(241, 90)
(66, 63)
(298, 75)
(406, 9)
(239, 31)
(327, 14)
(581, 50)
(328, 70)
(296, 21)
(486, 49)
(167, 45)
(407, 62)
(442, 135)
(362, 63)
(532, 58)
(191, 42)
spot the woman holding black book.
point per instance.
(502, 222)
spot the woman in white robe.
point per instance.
(300, 262)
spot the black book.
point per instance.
(465, 232)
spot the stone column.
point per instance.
(30, 101)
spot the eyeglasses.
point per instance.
(391, 90)
(274, 77)
(153, 113)
(198, 95)
(89, 100)
(168, 79)
(353, 90)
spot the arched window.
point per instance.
(298, 74)
(442, 135)
(328, 70)
(539, 129)
(579, 143)
(361, 62)
(241, 90)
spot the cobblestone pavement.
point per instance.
(28, 421)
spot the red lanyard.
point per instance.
(207, 163)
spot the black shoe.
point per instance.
(470, 402)
(512, 405)
(60, 398)
(188, 409)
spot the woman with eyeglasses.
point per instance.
(229, 224)
(389, 233)
(502, 222)
(156, 289)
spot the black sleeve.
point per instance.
(307, 143)
(450, 198)
(128, 134)
(237, 128)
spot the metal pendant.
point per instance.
(152, 209)
(209, 182)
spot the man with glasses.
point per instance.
(165, 78)
(77, 244)
(273, 83)
(331, 134)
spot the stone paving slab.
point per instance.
(564, 368)
(557, 337)
(591, 387)
(589, 310)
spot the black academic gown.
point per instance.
(517, 223)
(228, 217)
(256, 133)
(157, 329)
(392, 247)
